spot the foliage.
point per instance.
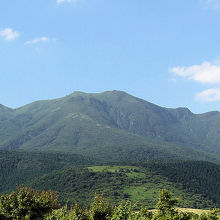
(100, 209)
(75, 213)
(17, 168)
(195, 176)
(212, 215)
(166, 203)
(27, 203)
(124, 211)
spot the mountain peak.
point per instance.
(117, 92)
(88, 122)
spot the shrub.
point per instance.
(124, 211)
(100, 209)
(212, 215)
(27, 203)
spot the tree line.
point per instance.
(27, 203)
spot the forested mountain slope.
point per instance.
(17, 168)
(113, 125)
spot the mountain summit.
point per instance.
(111, 125)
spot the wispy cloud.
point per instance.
(9, 34)
(38, 40)
(62, 1)
(209, 95)
(213, 4)
(206, 72)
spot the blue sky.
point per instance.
(166, 52)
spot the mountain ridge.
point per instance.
(113, 120)
(109, 92)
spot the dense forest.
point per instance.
(195, 176)
(78, 178)
(20, 167)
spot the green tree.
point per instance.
(27, 203)
(212, 215)
(100, 209)
(75, 213)
(124, 211)
(166, 202)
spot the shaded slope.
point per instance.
(195, 176)
(18, 168)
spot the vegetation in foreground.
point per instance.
(27, 203)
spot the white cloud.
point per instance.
(9, 34)
(214, 4)
(62, 1)
(209, 95)
(204, 73)
(38, 40)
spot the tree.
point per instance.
(100, 209)
(166, 204)
(27, 203)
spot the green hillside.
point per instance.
(79, 178)
(112, 126)
(138, 184)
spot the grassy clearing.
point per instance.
(130, 171)
(148, 192)
(112, 168)
(196, 211)
(142, 193)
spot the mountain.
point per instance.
(112, 125)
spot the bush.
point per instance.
(124, 211)
(27, 203)
(212, 215)
(76, 213)
(100, 209)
